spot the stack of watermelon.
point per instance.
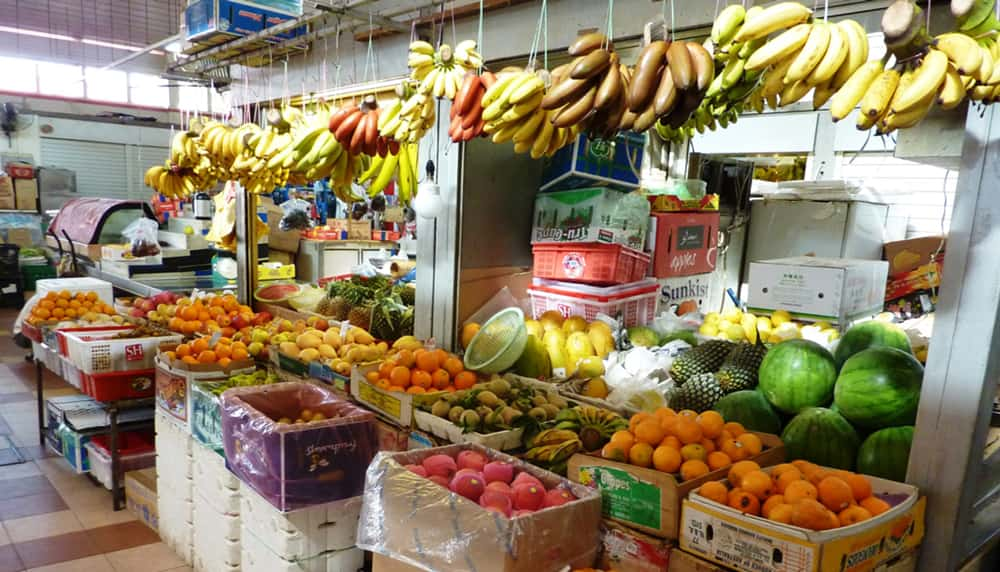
(853, 409)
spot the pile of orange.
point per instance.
(692, 444)
(64, 305)
(200, 351)
(209, 315)
(422, 371)
(799, 493)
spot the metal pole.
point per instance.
(246, 244)
(960, 380)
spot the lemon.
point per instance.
(188, 230)
(712, 318)
(780, 317)
(709, 330)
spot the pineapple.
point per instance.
(704, 358)
(360, 316)
(739, 371)
(699, 393)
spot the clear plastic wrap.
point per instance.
(141, 235)
(295, 215)
(292, 465)
(420, 523)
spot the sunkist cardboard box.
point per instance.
(140, 496)
(627, 550)
(7, 193)
(837, 290)
(26, 194)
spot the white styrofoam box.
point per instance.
(304, 533)
(172, 507)
(179, 539)
(175, 527)
(202, 565)
(217, 525)
(103, 289)
(213, 481)
(216, 539)
(257, 557)
(174, 462)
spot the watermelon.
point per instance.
(277, 293)
(879, 387)
(886, 452)
(750, 409)
(874, 333)
(823, 437)
(797, 374)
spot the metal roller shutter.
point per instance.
(101, 168)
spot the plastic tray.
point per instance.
(136, 449)
(100, 353)
(591, 262)
(635, 301)
(119, 385)
(500, 440)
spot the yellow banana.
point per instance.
(833, 59)
(811, 54)
(781, 47)
(772, 19)
(851, 93)
(927, 79)
(876, 99)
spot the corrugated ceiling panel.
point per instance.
(123, 21)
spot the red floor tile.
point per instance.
(116, 537)
(9, 560)
(31, 505)
(45, 551)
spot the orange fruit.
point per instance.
(804, 467)
(744, 502)
(835, 494)
(786, 478)
(441, 356)
(693, 451)
(224, 362)
(693, 469)
(465, 380)
(427, 361)
(715, 491)
(385, 368)
(649, 432)
(734, 428)
(383, 384)
(818, 475)
(70, 312)
(800, 490)
(207, 356)
(666, 459)
(811, 514)
(240, 354)
(853, 515)
(641, 455)
(671, 441)
(190, 360)
(708, 444)
(874, 505)
(778, 470)
(183, 350)
(615, 452)
(733, 448)
(396, 388)
(861, 487)
(420, 378)
(406, 358)
(440, 379)
(372, 376)
(688, 413)
(453, 366)
(58, 313)
(623, 438)
(751, 443)
(781, 513)
(718, 460)
(171, 356)
(757, 483)
(223, 350)
(688, 431)
(400, 376)
(711, 423)
(771, 502)
(636, 419)
(415, 389)
(188, 313)
(739, 469)
(662, 413)
(63, 304)
(42, 313)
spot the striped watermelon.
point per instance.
(797, 374)
(874, 333)
(879, 387)
(750, 409)
(886, 452)
(823, 437)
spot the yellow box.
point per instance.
(396, 406)
(283, 272)
(673, 204)
(746, 542)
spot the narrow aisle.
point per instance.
(52, 519)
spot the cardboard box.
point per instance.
(585, 215)
(908, 255)
(390, 437)
(415, 521)
(627, 550)
(382, 563)
(7, 193)
(173, 383)
(925, 277)
(681, 561)
(683, 243)
(725, 536)
(646, 499)
(359, 230)
(698, 292)
(913, 305)
(675, 204)
(19, 170)
(26, 194)
(277, 239)
(20, 237)
(396, 406)
(280, 256)
(213, 22)
(837, 290)
(589, 162)
(140, 496)
(275, 271)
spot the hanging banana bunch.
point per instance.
(410, 115)
(467, 110)
(441, 72)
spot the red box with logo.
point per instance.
(683, 244)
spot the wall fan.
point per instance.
(12, 120)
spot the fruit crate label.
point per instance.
(134, 352)
(206, 416)
(381, 401)
(323, 372)
(292, 365)
(623, 496)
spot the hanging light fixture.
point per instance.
(428, 202)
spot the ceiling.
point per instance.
(131, 22)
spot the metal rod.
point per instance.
(39, 374)
(162, 43)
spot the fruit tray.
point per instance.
(119, 385)
(136, 450)
(591, 262)
(84, 331)
(445, 429)
(397, 406)
(99, 352)
(636, 302)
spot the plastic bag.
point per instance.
(296, 215)
(639, 378)
(141, 235)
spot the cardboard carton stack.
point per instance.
(915, 267)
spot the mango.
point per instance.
(551, 320)
(555, 345)
(308, 340)
(534, 328)
(591, 366)
(574, 324)
(327, 351)
(534, 361)
(289, 348)
(309, 354)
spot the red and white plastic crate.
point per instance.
(119, 385)
(100, 352)
(590, 262)
(136, 450)
(635, 301)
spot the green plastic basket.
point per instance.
(498, 344)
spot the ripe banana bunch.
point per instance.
(356, 127)
(590, 90)
(172, 182)
(382, 169)
(553, 446)
(441, 72)
(184, 151)
(669, 83)
(467, 109)
(314, 152)
(975, 17)
(409, 117)
(512, 112)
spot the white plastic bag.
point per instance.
(141, 235)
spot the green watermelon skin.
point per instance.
(821, 436)
(797, 374)
(870, 334)
(751, 409)
(886, 452)
(879, 387)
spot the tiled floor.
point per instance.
(51, 519)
